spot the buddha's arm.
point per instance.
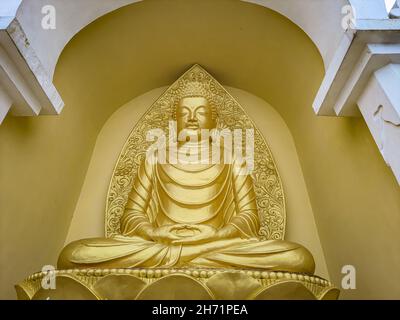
(135, 220)
(246, 221)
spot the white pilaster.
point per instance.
(363, 79)
(380, 106)
(5, 103)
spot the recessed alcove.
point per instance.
(54, 171)
(88, 219)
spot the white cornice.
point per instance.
(26, 88)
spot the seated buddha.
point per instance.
(190, 215)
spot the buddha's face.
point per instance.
(194, 114)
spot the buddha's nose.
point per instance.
(192, 122)
(193, 118)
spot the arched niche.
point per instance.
(88, 219)
(316, 18)
(147, 45)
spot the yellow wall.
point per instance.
(88, 218)
(43, 161)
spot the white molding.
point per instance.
(11, 80)
(352, 59)
(374, 57)
(364, 77)
(351, 63)
(5, 104)
(329, 89)
(47, 94)
(40, 49)
(316, 17)
(380, 106)
(23, 79)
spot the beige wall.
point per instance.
(356, 202)
(42, 164)
(88, 218)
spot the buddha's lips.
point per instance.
(192, 127)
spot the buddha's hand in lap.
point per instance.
(193, 234)
(164, 234)
(188, 234)
(168, 234)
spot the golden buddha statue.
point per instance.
(191, 218)
(190, 214)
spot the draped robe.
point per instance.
(216, 195)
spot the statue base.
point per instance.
(174, 284)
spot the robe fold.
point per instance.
(216, 195)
